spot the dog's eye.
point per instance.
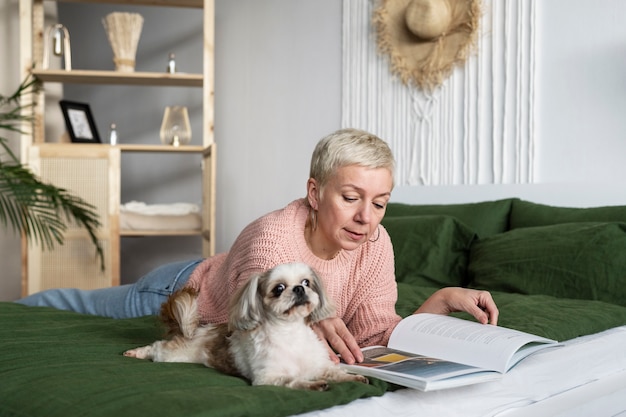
(305, 282)
(278, 290)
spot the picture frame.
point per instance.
(79, 122)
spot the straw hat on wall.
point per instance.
(426, 39)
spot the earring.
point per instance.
(313, 215)
(377, 235)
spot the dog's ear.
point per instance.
(325, 308)
(246, 307)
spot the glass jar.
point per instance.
(175, 128)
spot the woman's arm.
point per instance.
(370, 295)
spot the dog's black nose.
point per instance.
(298, 289)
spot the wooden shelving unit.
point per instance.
(99, 183)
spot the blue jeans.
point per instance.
(142, 298)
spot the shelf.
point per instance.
(160, 148)
(170, 3)
(97, 147)
(121, 78)
(205, 151)
(147, 233)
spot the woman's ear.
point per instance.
(312, 193)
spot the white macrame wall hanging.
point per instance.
(476, 128)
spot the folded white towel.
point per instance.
(174, 209)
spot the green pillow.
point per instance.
(556, 317)
(551, 317)
(570, 260)
(527, 214)
(485, 218)
(430, 250)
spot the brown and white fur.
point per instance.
(268, 340)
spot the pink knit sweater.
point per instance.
(360, 282)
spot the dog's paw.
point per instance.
(361, 378)
(318, 386)
(337, 374)
(132, 353)
(139, 353)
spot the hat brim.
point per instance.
(426, 63)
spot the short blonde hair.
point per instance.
(349, 147)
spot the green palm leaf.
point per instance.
(28, 206)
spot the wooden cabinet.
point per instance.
(93, 171)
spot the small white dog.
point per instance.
(268, 340)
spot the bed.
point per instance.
(57, 363)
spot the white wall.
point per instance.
(581, 91)
(278, 91)
(278, 79)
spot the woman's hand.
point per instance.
(451, 299)
(335, 334)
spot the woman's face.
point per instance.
(350, 209)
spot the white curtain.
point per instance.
(477, 128)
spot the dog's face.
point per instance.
(290, 291)
(287, 292)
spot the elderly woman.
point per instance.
(335, 229)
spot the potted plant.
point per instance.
(30, 207)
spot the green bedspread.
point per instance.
(57, 363)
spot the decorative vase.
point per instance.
(123, 31)
(57, 40)
(175, 128)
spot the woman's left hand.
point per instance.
(338, 339)
(452, 299)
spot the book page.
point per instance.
(457, 340)
(418, 366)
(417, 371)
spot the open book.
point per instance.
(430, 352)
